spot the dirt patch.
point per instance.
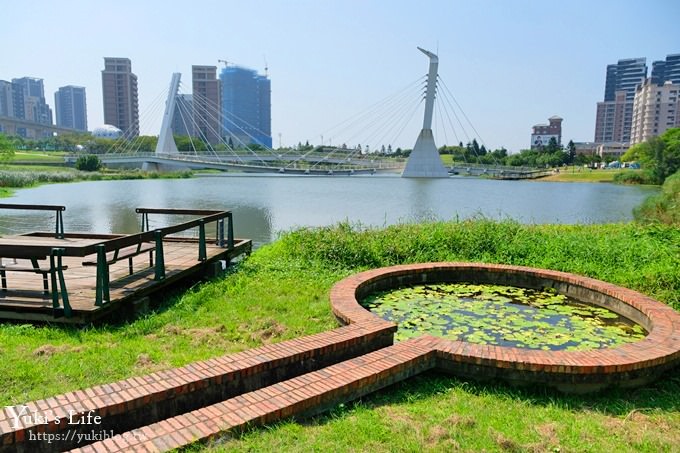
(263, 332)
(461, 421)
(548, 432)
(206, 335)
(437, 434)
(173, 330)
(400, 416)
(638, 428)
(440, 438)
(144, 361)
(507, 444)
(48, 350)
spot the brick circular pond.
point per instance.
(627, 365)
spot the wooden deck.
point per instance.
(24, 298)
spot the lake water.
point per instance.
(266, 205)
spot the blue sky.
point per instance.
(510, 64)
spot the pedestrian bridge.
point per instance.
(281, 164)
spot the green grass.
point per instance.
(664, 207)
(39, 156)
(580, 174)
(21, 176)
(447, 159)
(5, 192)
(281, 292)
(37, 168)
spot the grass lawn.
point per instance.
(39, 156)
(580, 174)
(38, 168)
(281, 292)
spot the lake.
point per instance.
(263, 206)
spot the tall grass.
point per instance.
(646, 258)
(28, 179)
(23, 179)
(664, 207)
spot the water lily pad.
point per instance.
(502, 315)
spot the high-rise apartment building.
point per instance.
(614, 116)
(18, 100)
(246, 106)
(70, 104)
(120, 96)
(625, 75)
(206, 103)
(6, 99)
(666, 70)
(656, 108)
(34, 105)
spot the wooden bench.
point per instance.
(126, 253)
(34, 268)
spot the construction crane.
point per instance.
(266, 66)
(223, 61)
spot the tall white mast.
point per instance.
(424, 161)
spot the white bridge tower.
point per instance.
(166, 142)
(424, 161)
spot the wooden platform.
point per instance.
(25, 299)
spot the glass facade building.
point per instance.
(246, 107)
(30, 96)
(666, 70)
(71, 107)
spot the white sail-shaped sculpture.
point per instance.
(424, 161)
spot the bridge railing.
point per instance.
(337, 163)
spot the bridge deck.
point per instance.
(25, 300)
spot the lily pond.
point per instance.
(502, 316)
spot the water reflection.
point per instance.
(266, 205)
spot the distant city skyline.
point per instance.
(507, 63)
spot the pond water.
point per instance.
(502, 316)
(263, 206)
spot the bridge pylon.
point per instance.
(166, 142)
(424, 161)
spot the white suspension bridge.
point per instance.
(384, 122)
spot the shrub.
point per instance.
(664, 207)
(634, 177)
(89, 162)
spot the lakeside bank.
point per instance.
(281, 292)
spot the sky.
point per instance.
(509, 64)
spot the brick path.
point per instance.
(302, 396)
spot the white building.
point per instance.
(655, 109)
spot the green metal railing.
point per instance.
(102, 245)
(156, 236)
(59, 228)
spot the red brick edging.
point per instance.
(628, 365)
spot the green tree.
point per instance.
(186, 143)
(571, 149)
(658, 155)
(88, 162)
(6, 150)
(146, 143)
(553, 146)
